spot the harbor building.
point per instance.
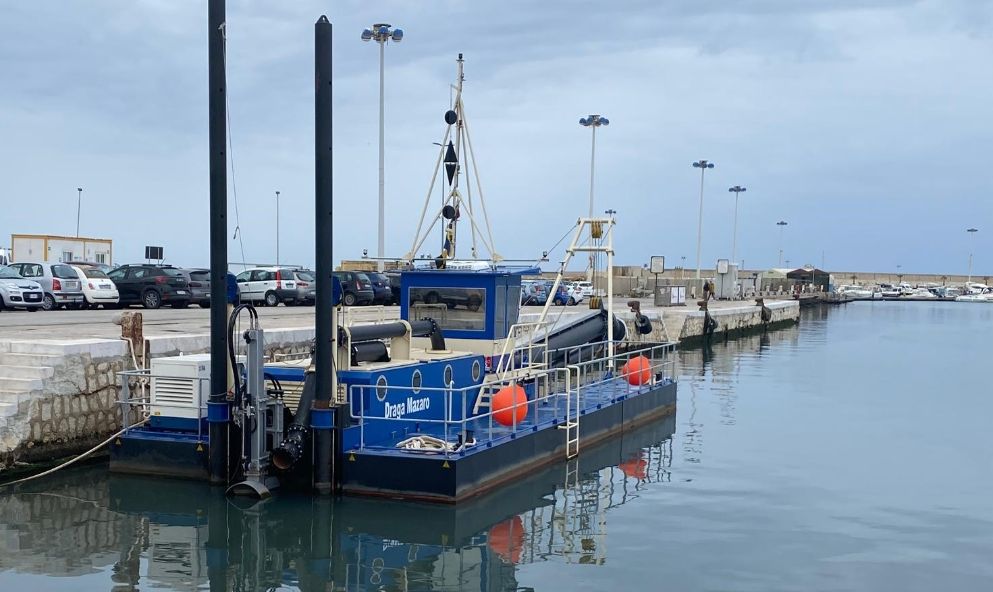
(42, 248)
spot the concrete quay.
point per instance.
(59, 383)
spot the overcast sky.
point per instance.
(866, 124)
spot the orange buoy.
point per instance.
(637, 370)
(510, 405)
(507, 539)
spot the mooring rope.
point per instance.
(73, 460)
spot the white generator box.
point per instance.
(181, 386)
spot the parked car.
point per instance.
(575, 294)
(151, 285)
(561, 296)
(59, 281)
(586, 288)
(17, 292)
(381, 291)
(199, 280)
(306, 286)
(98, 289)
(356, 288)
(84, 264)
(469, 298)
(394, 278)
(533, 294)
(270, 285)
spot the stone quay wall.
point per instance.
(67, 400)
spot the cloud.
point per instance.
(844, 117)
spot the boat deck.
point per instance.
(547, 413)
(501, 453)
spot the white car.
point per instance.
(17, 292)
(576, 294)
(586, 288)
(98, 288)
(270, 285)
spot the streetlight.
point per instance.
(781, 224)
(703, 165)
(972, 232)
(737, 190)
(381, 33)
(277, 228)
(593, 122)
(79, 203)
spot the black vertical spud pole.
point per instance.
(218, 445)
(323, 438)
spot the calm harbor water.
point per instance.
(849, 453)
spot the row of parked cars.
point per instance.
(537, 293)
(79, 285)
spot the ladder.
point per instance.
(571, 425)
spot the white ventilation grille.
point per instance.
(180, 386)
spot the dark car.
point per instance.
(199, 280)
(469, 298)
(394, 278)
(356, 288)
(382, 293)
(152, 285)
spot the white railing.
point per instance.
(563, 388)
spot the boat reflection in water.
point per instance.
(149, 533)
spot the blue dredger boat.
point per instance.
(454, 399)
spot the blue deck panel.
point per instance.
(607, 411)
(550, 415)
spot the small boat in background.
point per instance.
(856, 292)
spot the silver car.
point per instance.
(306, 286)
(59, 281)
(17, 292)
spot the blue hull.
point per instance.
(458, 477)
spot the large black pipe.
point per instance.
(421, 328)
(324, 443)
(218, 445)
(290, 450)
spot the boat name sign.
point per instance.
(411, 405)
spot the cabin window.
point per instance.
(415, 382)
(477, 371)
(460, 309)
(449, 376)
(381, 388)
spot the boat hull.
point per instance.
(455, 478)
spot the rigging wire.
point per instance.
(559, 242)
(227, 114)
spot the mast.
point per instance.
(457, 155)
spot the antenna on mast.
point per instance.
(455, 152)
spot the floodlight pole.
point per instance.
(737, 190)
(382, 33)
(79, 203)
(781, 224)
(972, 232)
(593, 122)
(703, 165)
